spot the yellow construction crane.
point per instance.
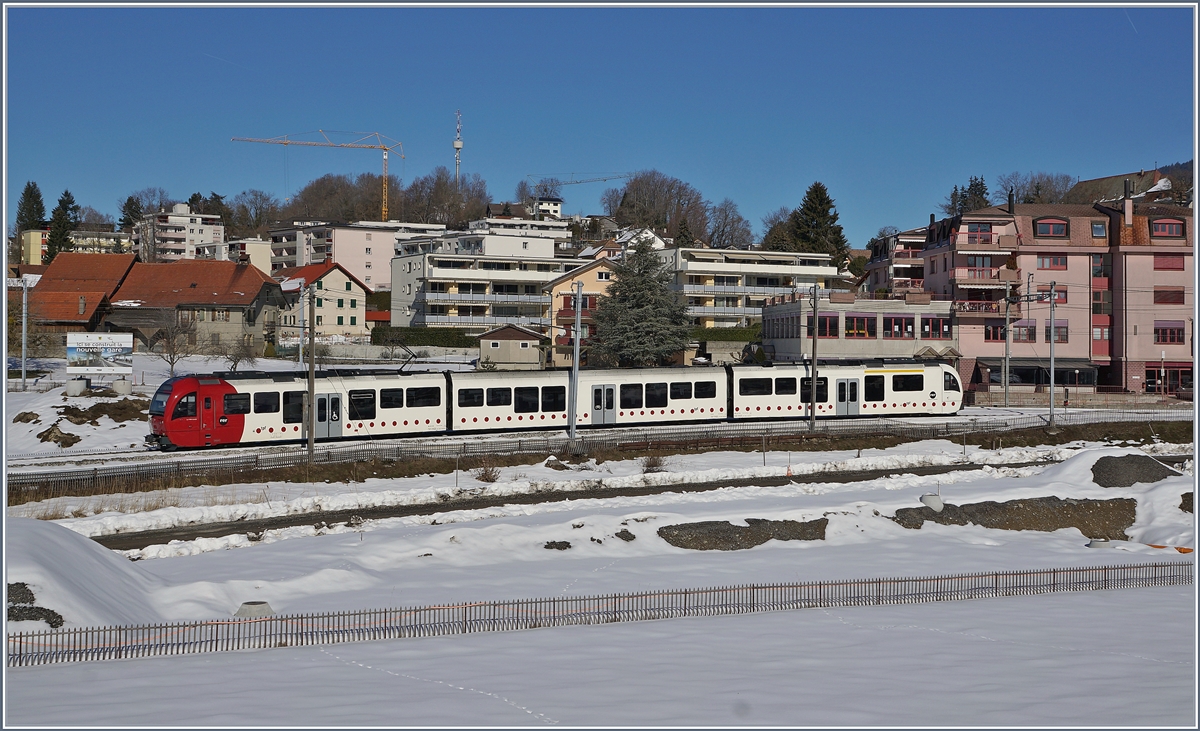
(359, 144)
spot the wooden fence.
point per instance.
(107, 643)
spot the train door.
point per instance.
(847, 397)
(604, 407)
(208, 418)
(329, 415)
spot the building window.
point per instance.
(1050, 228)
(368, 265)
(1101, 333)
(979, 233)
(368, 239)
(348, 287)
(368, 249)
(320, 320)
(860, 326)
(1166, 227)
(320, 284)
(524, 346)
(1168, 296)
(993, 331)
(493, 344)
(353, 320)
(1060, 295)
(1052, 261)
(827, 326)
(1168, 262)
(603, 276)
(1101, 302)
(898, 327)
(341, 303)
(320, 302)
(935, 328)
(1024, 332)
(1098, 230)
(353, 304)
(340, 320)
(216, 339)
(1102, 266)
(1060, 331)
(1168, 332)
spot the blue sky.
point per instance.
(889, 107)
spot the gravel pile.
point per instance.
(1094, 518)
(1185, 502)
(1129, 469)
(717, 535)
(21, 609)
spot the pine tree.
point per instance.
(131, 213)
(684, 239)
(31, 211)
(640, 321)
(63, 220)
(815, 225)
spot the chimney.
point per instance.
(1128, 205)
(1012, 202)
(82, 304)
(931, 220)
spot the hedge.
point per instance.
(438, 337)
(726, 334)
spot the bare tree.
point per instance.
(154, 199)
(92, 220)
(727, 229)
(523, 193)
(1032, 187)
(235, 353)
(175, 339)
(611, 200)
(655, 200)
(253, 212)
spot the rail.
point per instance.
(226, 635)
(39, 485)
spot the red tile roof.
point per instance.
(312, 272)
(77, 272)
(64, 306)
(191, 282)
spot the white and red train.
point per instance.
(260, 407)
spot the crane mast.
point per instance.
(360, 144)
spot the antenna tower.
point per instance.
(457, 145)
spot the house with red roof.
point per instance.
(340, 304)
(73, 292)
(229, 302)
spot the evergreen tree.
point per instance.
(640, 321)
(970, 197)
(131, 213)
(31, 211)
(684, 239)
(63, 220)
(815, 227)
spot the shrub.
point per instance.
(653, 463)
(438, 337)
(727, 334)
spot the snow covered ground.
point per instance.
(1099, 658)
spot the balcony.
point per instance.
(985, 277)
(906, 254)
(987, 243)
(729, 311)
(568, 314)
(968, 308)
(900, 285)
(487, 320)
(528, 299)
(739, 290)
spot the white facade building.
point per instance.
(364, 248)
(164, 237)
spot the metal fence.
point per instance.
(156, 473)
(107, 643)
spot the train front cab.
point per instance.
(194, 412)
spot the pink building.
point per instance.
(1123, 286)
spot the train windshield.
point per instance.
(158, 405)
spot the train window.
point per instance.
(469, 397)
(527, 399)
(656, 395)
(362, 404)
(706, 389)
(754, 387)
(321, 410)
(429, 396)
(949, 382)
(631, 396)
(391, 398)
(266, 402)
(207, 402)
(293, 407)
(785, 386)
(681, 390)
(908, 382)
(841, 391)
(499, 396)
(159, 405)
(822, 390)
(554, 398)
(237, 403)
(598, 399)
(186, 406)
(873, 388)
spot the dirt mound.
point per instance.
(625, 535)
(58, 436)
(1131, 468)
(717, 535)
(1094, 518)
(124, 410)
(21, 609)
(25, 417)
(1185, 502)
(558, 545)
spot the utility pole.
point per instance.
(812, 392)
(574, 395)
(24, 325)
(300, 343)
(310, 417)
(1053, 337)
(1007, 339)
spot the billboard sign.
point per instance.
(99, 353)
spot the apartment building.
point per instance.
(340, 303)
(728, 288)
(257, 251)
(488, 276)
(170, 236)
(895, 265)
(364, 248)
(1121, 278)
(596, 275)
(33, 243)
